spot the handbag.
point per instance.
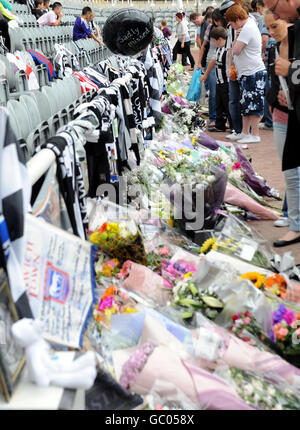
(195, 86)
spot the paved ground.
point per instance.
(265, 161)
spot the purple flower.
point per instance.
(271, 334)
(278, 315)
(135, 364)
(222, 166)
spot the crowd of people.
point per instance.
(50, 15)
(249, 59)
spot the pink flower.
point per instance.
(124, 272)
(238, 322)
(236, 166)
(288, 316)
(107, 302)
(282, 332)
(247, 320)
(164, 251)
(167, 284)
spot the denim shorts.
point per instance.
(252, 93)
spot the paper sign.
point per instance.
(59, 280)
(208, 344)
(248, 249)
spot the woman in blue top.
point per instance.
(82, 29)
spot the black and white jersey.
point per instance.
(221, 75)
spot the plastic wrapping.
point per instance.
(250, 176)
(242, 241)
(195, 86)
(116, 233)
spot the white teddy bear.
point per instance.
(44, 369)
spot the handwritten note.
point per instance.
(59, 280)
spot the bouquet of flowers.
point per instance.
(107, 267)
(247, 329)
(240, 240)
(285, 334)
(112, 302)
(283, 337)
(260, 391)
(135, 364)
(121, 240)
(187, 296)
(275, 284)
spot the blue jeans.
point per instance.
(280, 130)
(234, 106)
(285, 207)
(267, 113)
(211, 86)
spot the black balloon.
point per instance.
(127, 31)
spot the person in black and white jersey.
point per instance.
(219, 35)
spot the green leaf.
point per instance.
(186, 315)
(193, 289)
(188, 302)
(212, 302)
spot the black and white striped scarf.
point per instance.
(70, 179)
(15, 192)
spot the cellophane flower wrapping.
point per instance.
(115, 233)
(263, 392)
(231, 350)
(240, 240)
(260, 187)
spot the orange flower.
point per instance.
(110, 291)
(277, 282)
(103, 227)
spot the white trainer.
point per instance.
(282, 222)
(248, 138)
(238, 137)
(231, 135)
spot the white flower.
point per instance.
(248, 390)
(271, 391)
(257, 385)
(278, 407)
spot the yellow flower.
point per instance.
(107, 270)
(181, 151)
(113, 227)
(171, 223)
(188, 275)
(214, 247)
(193, 140)
(255, 277)
(94, 238)
(129, 311)
(209, 243)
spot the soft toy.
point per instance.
(45, 369)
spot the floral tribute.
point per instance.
(120, 240)
(275, 284)
(187, 296)
(256, 278)
(285, 333)
(247, 328)
(135, 364)
(262, 394)
(112, 302)
(283, 338)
